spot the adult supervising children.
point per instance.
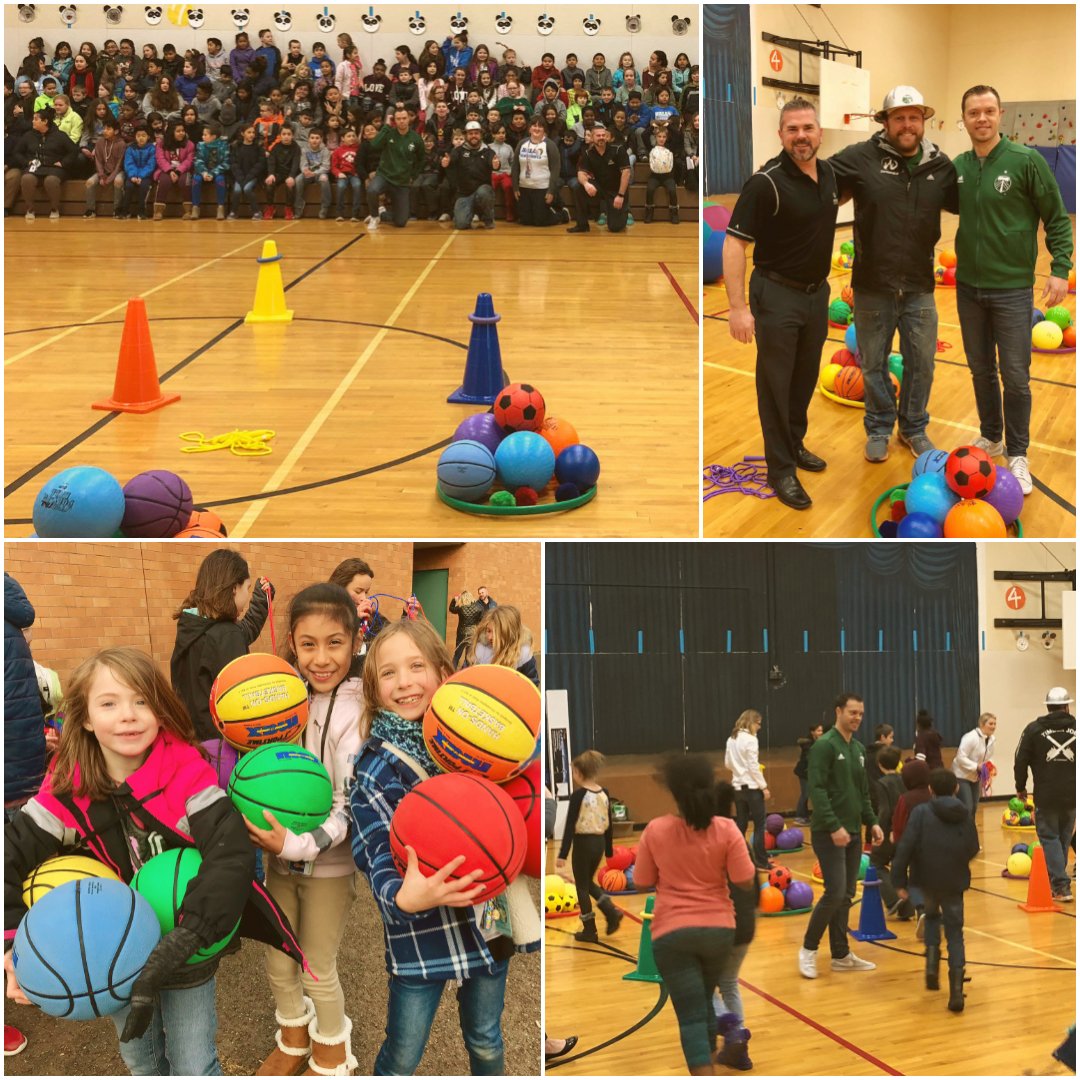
(401, 158)
(604, 182)
(787, 209)
(841, 801)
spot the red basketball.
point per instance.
(849, 384)
(845, 358)
(520, 407)
(970, 472)
(524, 789)
(460, 814)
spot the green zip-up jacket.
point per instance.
(402, 156)
(839, 791)
(1002, 198)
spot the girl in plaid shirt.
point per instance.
(434, 931)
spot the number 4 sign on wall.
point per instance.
(1015, 597)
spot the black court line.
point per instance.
(977, 963)
(1053, 495)
(108, 418)
(608, 949)
(661, 1001)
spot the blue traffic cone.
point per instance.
(872, 912)
(483, 365)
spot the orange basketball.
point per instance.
(847, 294)
(1072, 280)
(206, 519)
(816, 872)
(849, 384)
(771, 899)
(895, 384)
(198, 532)
(559, 433)
(947, 257)
(1068, 337)
(613, 881)
(259, 699)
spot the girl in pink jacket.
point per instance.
(175, 160)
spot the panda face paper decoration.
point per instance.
(545, 23)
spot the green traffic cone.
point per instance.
(646, 965)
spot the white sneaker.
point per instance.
(30, 215)
(1018, 466)
(54, 215)
(994, 449)
(920, 929)
(372, 224)
(808, 963)
(852, 963)
(476, 219)
(444, 217)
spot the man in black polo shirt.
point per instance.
(604, 179)
(788, 211)
(470, 169)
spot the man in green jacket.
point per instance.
(400, 162)
(840, 797)
(1004, 190)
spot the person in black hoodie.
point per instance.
(44, 154)
(938, 843)
(1047, 747)
(886, 790)
(218, 621)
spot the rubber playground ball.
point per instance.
(799, 896)
(850, 340)
(289, 781)
(780, 877)
(919, 527)
(771, 899)
(1059, 315)
(896, 365)
(466, 470)
(80, 502)
(1072, 280)
(1019, 864)
(1047, 335)
(1068, 337)
(613, 881)
(520, 407)
(974, 519)
(58, 871)
(929, 494)
(774, 823)
(840, 312)
(970, 472)
(524, 459)
(949, 277)
(1036, 317)
(559, 434)
(578, 465)
(930, 461)
(864, 865)
(257, 699)
(847, 248)
(1011, 818)
(947, 257)
(828, 376)
(847, 294)
(1006, 495)
(1016, 804)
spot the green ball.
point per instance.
(864, 864)
(1059, 315)
(897, 495)
(896, 366)
(1032, 847)
(847, 248)
(1016, 805)
(840, 311)
(502, 498)
(163, 883)
(289, 781)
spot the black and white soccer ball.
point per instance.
(504, 23)
(326, 21)
(545, 23)
(370, 22)
(196, 16)
(417, 23)
(153, 15)
(680, 26)
(240, 17)
(283, 20)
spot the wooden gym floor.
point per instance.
(1020, 1001)
(844, 494)
(606, 326)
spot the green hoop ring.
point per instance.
(1017, 524)
(487, 510)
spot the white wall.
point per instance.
(1013, 684)
(567, 36)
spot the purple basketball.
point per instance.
(156, 503)
(223, 759)
(482, 428)
(788, 839)
(799, 895)
(1005, 496)
(774, 823)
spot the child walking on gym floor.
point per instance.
(588, 829)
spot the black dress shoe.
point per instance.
(579, 228)
(571, 1042)
(810, 462)
(791, 493)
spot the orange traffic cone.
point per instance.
(1039, 896)
(136, 389)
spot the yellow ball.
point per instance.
(1019, 864)
(1046, 335)
(60, 870)
(553, 894)
(828, 375)
(570, 897)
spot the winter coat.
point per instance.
(468, 619)
(885, 792)
(975, 749)
(140, 161)
(53, 149)
(283, 161)
(1047, 747)
(212, 157)
(915, 776)
(24, 721)
(185, 155)
(938, 843)
(247, 162)
(838, 789)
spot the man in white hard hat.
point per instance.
(1048, 748)
(900, 181)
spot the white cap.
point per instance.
(473, 125)
(902, 97)
(1058, 695)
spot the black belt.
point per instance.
(790, 283)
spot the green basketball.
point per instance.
(1016, 805)
(847, 248)
(1059, 315)
(840, 312)
(896, 366)
(289, 781)
(1032, 847)
(163, 882)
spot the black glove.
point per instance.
(170, 953)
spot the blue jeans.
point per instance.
(399, 199)
(877, 316)
(1055, 828)
(323, 180)
(344, 183)
(750, 806)
(840, 872)
(996, 328)
(968, 794)
(727, 985)
(481, 202)
(136, 196)
(950, 908)
(248, 189)
(411, 1013)
(190, 1047)
(196, 189)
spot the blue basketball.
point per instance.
(930, 494)
(80, 948)
(466, 470)
(919, 527)
(930, 461)
(849, 339)
(578, 464)
(525, 459)
(80, 502)
(712, 256)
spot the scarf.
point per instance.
(407, 735)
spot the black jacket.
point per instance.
(885, 793)
(283, 161)
(1048, 748)
(470, 168)
(24, 721)
(53, 149)
(203, 647)
(897, 213)
(938, 843)
(247, 162)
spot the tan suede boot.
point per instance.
(195, 211)
(221, 213)
(187, 215)
(159, 211)
(331, 1057)
(293, 1044)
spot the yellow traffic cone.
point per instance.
(269, 290)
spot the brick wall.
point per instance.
(88, 596)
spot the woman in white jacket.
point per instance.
(975, 750)
(741, 757)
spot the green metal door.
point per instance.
(432, 590)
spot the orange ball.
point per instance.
(771, 899)
(198, 532)
(895, 384)
(847, 294)
(974, 519)
(947, 257)
(559, 434)
(206, 519)
(849, 384)
(613, 881)
(1068, 337)
(816, 872)
(1072, 280)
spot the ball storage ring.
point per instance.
(1017, 525)
(486, 509)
